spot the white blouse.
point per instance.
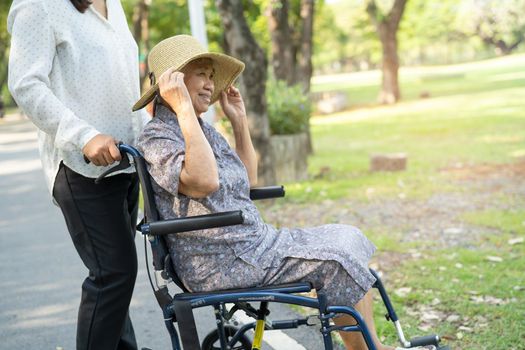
(75, 75)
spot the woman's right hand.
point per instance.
(101, 150)
(173, 90)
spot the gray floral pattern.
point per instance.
(334, 258)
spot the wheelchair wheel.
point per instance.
(211, 342)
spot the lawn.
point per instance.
(475, 115)
(450, 228)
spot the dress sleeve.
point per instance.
(33, 50)
(165, 155)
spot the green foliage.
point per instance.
(166, 18)
(501, 21)
(427, 28)
(4, 50)
(171, 17)
(288, 108)
(345, 37)
(431, 32)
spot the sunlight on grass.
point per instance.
(510, 223)
(469, 119)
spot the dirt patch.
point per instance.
(462, 171)
(435, 222)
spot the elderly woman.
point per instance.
(194, 171)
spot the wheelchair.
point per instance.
(178, 308)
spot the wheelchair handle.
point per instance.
(124, 149)
(193, 223)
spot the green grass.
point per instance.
(488, 296)
(465, 283)
(475, 115)
(511, 222)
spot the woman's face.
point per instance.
(198, 79)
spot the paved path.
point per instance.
(41, 274)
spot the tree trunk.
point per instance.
(387, 26)
(282, 62)
(141, 35)
(305, 69)
(242, 45)
(390, 86)
(305, 60)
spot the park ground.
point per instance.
(450, 229)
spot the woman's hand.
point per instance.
(101, 150)
(233, 105)
(173, 90)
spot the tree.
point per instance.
(499, 24)
(343, 35)
(291, 29)
(305, 69)
(387, 26)
(292, 45)
(141, 33)
(239, 42)
(282, 43)
(428, 29)
(152, 21)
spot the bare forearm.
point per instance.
(200, 167)
(245, 150)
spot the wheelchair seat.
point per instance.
(288, 288)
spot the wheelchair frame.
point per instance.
(178, 308)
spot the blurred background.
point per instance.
(405, 118)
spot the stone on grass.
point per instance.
(388, 162)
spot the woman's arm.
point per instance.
(30, 63)
(199, 175)
(233, 106)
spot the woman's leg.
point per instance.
(330, 278)
(100, 221)
(354, 340)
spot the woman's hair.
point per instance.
(81, 5)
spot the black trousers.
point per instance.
(101, 220)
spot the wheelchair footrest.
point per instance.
(290, 324)
(425, 340)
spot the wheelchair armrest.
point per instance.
(266, 192)
(193, 223)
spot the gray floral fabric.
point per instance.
(334, 258)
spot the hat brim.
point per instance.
(146, 98)
(227, 69)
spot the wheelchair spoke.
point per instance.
(212, 342)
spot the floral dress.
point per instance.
(334, 258)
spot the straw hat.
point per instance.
(178, 51)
